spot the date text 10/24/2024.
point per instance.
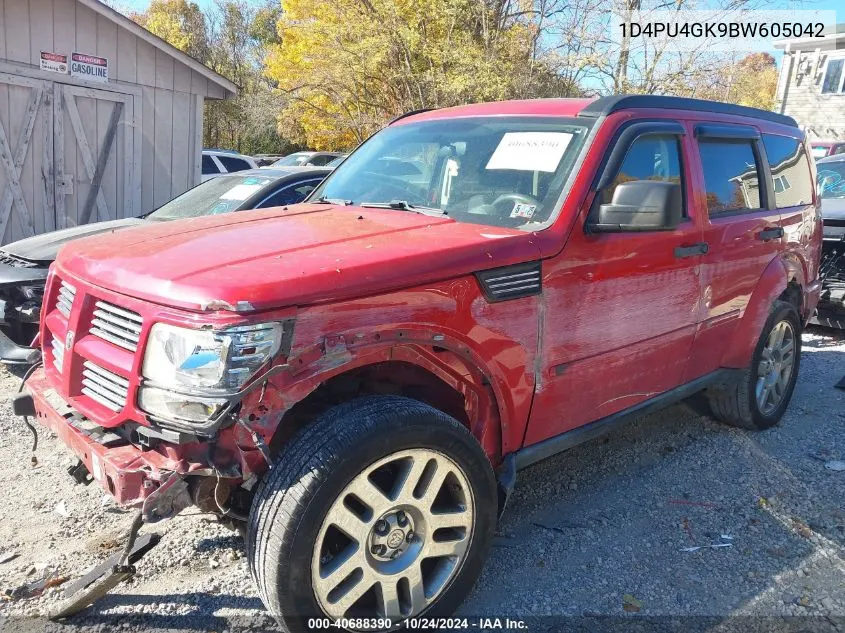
(419, 624)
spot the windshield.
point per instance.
(293, 160)
(215, 196)
(501, 171)
(831, 179)
(820, 151)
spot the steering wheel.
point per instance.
(513, 199)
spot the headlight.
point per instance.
(191, 371)
(207, 361)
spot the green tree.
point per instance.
(179, 23)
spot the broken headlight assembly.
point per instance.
(190, 375)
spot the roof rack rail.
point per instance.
(614, 103)
(407, 114)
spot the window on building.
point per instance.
(790, 170)
(834, 75)
(731, 175)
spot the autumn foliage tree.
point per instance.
(345, 67)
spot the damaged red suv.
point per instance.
(360, 377)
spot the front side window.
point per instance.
(650, 157)
(833, 77)
(790, 169)
(215, 196)
(831, 179)
(500, 171)
(731, 175)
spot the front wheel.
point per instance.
(383, 509)
(758, 399)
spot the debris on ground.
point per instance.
(61, 509)
(837, 465)
(36, 588)
(631, 604)
(5, 557)
(802, 528)
(695, 548)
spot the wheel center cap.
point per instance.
(395, 539)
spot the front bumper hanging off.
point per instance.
(145, 479)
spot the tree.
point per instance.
(345, 67)
(179, 23)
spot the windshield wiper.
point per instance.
(324, 200)
(404, 205)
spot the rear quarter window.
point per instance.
(208, 165)
(791, 175)
(233, 164)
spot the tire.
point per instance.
(293, 541)
(737, 403)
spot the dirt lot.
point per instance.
(599, 531)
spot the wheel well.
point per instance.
(794, 295)
(385, 378)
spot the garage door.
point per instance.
(67, 156)
(26, 157)
(95, 160)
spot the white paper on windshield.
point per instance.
(530, 151)
(240, 192)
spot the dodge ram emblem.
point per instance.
(69, 340)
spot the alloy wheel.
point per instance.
(394, 537)
(774, 371)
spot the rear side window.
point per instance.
(651, 157)
(208, 165)
(233, 164)
(731, 175)
(790, 169)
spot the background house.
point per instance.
(811, 86)
(99, 119)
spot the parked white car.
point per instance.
(216, 162)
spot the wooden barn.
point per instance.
(99, 118)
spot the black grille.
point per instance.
(511, 282)
(17, 262)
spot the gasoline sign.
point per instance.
(89, 67)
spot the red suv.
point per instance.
(474, 289)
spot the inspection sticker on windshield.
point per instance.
(523, 211)
(530, 151)
(240, 192)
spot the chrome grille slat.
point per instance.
(104, 386)
(64, 300)
(58, 354)
(116, 325)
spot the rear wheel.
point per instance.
(382, 509)
(758, 399)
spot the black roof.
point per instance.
(614, 103)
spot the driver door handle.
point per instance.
(701, 248)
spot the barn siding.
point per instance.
(167, 108)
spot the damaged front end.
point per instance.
(21, 294)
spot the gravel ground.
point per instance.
(595, 536)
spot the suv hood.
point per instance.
(296, 255)
(43, 248)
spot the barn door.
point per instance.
(95, 161)
(26, 157)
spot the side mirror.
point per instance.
(640, 205)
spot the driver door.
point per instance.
(621, 308)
